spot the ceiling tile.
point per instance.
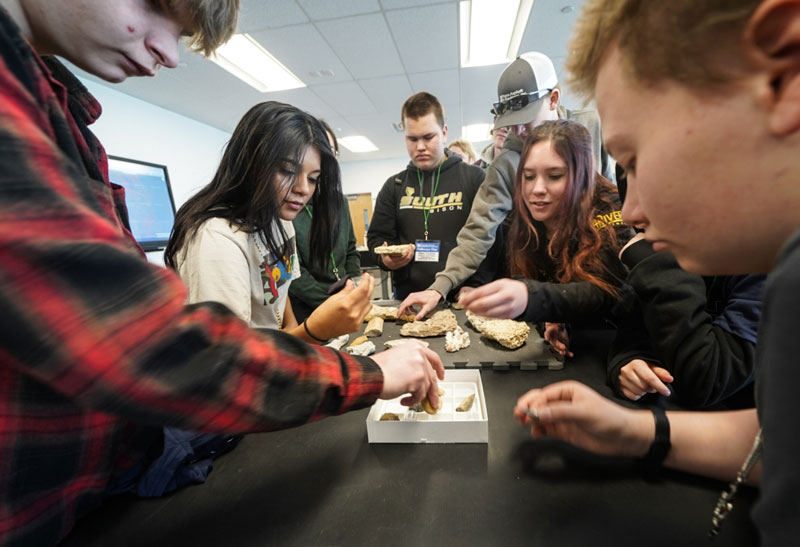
(387, 94)
(364, 45)
(399, 4)
(345, 98)
(290, 45)
(325, 9)
(443, 83)
(427, 37)
(262, 14)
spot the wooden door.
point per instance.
(361, 213)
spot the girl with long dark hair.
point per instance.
(564, 237)
(233, 242)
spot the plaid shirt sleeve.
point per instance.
(94, 338)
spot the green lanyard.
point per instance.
(333, 262)
(427, 210)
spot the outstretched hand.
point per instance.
(503, 298)
(343, 312)
(411, 368)
(640, 377)
(577, 414)
(422, 302)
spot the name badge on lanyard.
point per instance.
(427, 251)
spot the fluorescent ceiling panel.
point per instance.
(358, 144)
(246, 59)
(491, 30)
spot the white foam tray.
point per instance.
(446, 426)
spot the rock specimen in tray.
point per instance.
(438, 324)
(374, 327)
(509, 333)
(456, 339)
(466, 404)
(428, 407)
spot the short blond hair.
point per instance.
(213, 22)
(467, 147)
(689, 41)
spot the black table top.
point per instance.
(324, 484)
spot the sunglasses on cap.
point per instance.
(519, 102)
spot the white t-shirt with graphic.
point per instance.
(222, 263)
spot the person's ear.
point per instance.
(444, 132)
(555, 96)
(773, 34)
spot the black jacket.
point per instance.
(580, 303)
(701, 329)
(399, 215)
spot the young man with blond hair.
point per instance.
(97, 350)
(700, 103)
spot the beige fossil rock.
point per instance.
(438, 324)
(466, 404)
(394, 250)
(456, 339)
(387, 313)
(374, 327)
(509, 333)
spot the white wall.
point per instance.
(361, 177)
(138, 130)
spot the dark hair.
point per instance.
(268, 137)
(575, 244)
(330, 132)
(421, 104)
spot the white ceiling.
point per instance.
(379, 51)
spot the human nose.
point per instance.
(539, 187)
(301, 186)
(632, 213)
(162, 44)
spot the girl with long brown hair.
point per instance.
(233, 242)
(564, 238)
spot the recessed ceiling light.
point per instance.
(246, 59)
(567, 9)
(491, 30)
(358, 144)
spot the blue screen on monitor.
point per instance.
(151, 209)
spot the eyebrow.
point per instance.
(551, 168)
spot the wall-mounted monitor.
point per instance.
(151, 208)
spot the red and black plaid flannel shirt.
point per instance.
(96, 346)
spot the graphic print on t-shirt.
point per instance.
(275, 272)
(448, 201)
